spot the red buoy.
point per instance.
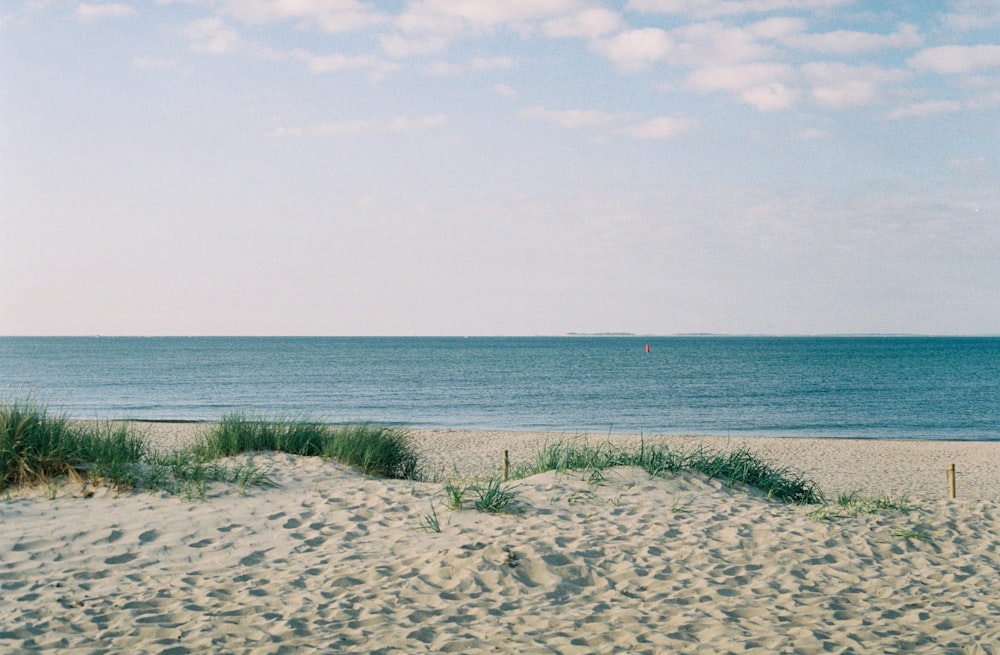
(647, 347)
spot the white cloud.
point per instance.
(400, 46)
(571, 118)
(417, 20)
(417, 124)
(88, 12)
(714, 8)
(635, 49)
(212, 36)
(770, 97)
(450, 16)
(775, 28)
(926, 108)
(759, 85)
(429, 26)
(702, 44)
(445, 68)
(331, 16)
(663, 127)
(336, 62)
(738, 77)
(973, 15)
(957, 58)
(354, 127)
(840, 86)
(849, 93)
(634, 125)
(846, 42)
(588, 24)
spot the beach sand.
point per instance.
(332, 561)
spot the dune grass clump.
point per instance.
(454, 494)
(739, 466)
(855, 504)
(35, 447)
(492, 496)
(374, 450)
(745, 467)
(236, 434)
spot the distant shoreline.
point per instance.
(725, 335)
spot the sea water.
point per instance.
(861, 387)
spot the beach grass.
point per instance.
(740, 466)
(855, 504)
(237, 434)
(454, 494)
(37, 448)
(494, 497)
(430, 521)
(373, 449)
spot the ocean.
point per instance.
(847, 387)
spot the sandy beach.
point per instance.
(331, 561)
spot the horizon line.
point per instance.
(504, 336)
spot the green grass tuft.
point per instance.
(236, 434)
(35, 448)
(494, 497)
(430, 522)
(454, 493)
(740, 466)
(855, 504)
(375, 450)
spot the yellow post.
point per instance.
(506, 465)
(951, 480)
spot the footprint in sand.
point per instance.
(124, 558)
(148, 536)
(253, 559)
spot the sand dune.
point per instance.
(914, 469)
(332, 561)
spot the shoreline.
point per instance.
(915, 469)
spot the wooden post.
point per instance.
(506, 465)
(951, 480)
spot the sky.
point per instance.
(499, 167)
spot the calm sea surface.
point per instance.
(880, 387)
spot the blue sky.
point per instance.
(480, 167)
